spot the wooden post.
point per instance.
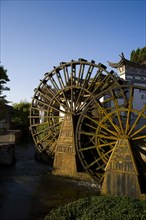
(121, 175)
(65, 154)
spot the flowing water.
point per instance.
(28, 190)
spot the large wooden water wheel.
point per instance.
(105, 120)
(67, 89)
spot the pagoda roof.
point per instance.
(126, 62)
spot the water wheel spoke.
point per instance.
(139, 137)
(100, 161)
(63, 100)
(142, 150)
(42, 142)
(94, 120)
(99, 168)
(100, 84)
(48, 90)
(85, 99)
(45, 97)
(37, 125)
(87, 148)
(118, 95)
(91, 140)
(109, 118)
(93, 163)
(139, 116)
(53, 96)
(138, 131)
(130, 104)
(87, 133)
(80, 98)
(65, 74)
(86, 80)
(89, 125)
(39, 147)
(49, 138)
(104, 155)
(47, 128)
(53, 82)
(91, 85)
(108, 130)
(111, 144)
(52, 107)
(41, 102)
(104, 126)
(73, 69)
(117, 111)
(84, 87)
(59, 77)
(81, 73)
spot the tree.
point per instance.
(20, 117)
(3, 80)
(142, 55)
(138, 55)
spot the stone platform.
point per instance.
(10, 136)
(8, 139)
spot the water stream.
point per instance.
(28, 190)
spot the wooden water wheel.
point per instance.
(67, 89)
(107, 119)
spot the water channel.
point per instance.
(28, 190)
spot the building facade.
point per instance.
(135, 74)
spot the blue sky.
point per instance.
(37, 35)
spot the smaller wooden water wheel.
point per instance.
(109, 118)
(65, 90)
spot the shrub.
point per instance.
(102, 208)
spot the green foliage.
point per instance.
(21, 115)
(102, 208)
(139, 55)
(3, 80)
